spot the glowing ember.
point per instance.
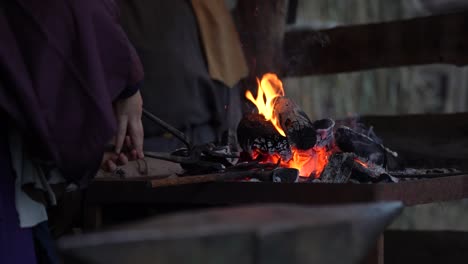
(362, 163)
(269, 88)
(308, 162)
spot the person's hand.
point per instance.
(128, 113)
(111, 160)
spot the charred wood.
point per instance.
(254, 132)
(295, 123)
(324, 131)
(370, 173)
(338, 169)
(363, 146)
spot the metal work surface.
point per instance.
(270, 233)
(108, 192)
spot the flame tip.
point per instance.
(269, 88)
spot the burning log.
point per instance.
(296, 124)
(254, 132)
(285, 116)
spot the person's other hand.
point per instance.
(111, 160)
(128, 113)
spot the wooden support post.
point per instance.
(261, 26)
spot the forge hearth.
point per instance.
(420, 140)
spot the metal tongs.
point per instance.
(200, 158)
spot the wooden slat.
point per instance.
(434, 39)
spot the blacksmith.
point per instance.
(68, 79)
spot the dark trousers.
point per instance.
(16, 244)
(46, 252)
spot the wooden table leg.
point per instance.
(92, 219)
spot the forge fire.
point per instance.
(279, 143)
(279, 132)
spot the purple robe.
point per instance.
(62, 64)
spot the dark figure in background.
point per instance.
(68, 79)
(192, 58)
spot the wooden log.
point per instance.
(254, 132)
(435, 39)
(295, 123)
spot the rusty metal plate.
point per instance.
(107, 192)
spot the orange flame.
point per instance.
(269, 88)
(362, 163)
(308, 162)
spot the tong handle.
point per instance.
(178, 134)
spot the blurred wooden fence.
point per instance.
(416, 89)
